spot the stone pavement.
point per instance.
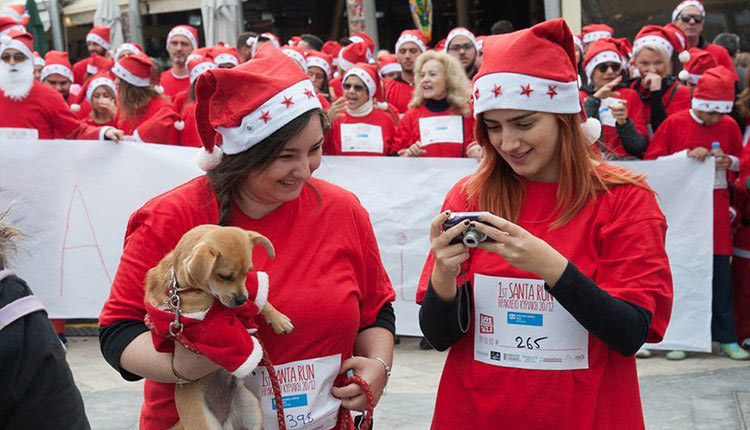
(703, 392)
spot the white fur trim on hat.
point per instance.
(685, 4)
(721, 106)
(261, 297)
(297, 57)
(38, 61)
(364, 76)
(182, 31)
(344, 64)
(17, 44)
(93, 37)
(654, 41)
(275, 113)
(200, 69)
(602, 57)
(192, 57)
(460, 32)
(226, 58)
(98, 82)
(410, 38)
(129, 77)
(320, 63)
(578, 43)
(91, 69)
(390, 68)
(55, 69)
(18, 27)
(596, 35)
(208, 160)
(251, 362)
(103, 131)
(126, 47)
(516, 91)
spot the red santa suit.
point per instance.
(741, 251)
(399, 93)
(376, 118)
(683, 131)
(220, 333)
(409, 132)
(180, 101)
(157, 107)
(189, 135)
(602, 242)
(335, 85)
(173, 85)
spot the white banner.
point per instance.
(73, 199)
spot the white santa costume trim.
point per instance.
(720, 106)
(276, 112)
(261, 297)
(691, 78)
(98, 82)
(38, 61)
(91, 69)
(516, 91)
(578, 43)
(181, 31)
(126, 47)
(251, 362)
(602, 57)
(297, 57)
(200, 69)
(227, 59)
(345, 64)
(56, 69)
(321, 64)
(7, 42)
(93, 37)
(596, 35)
(390, 68)
(685, 4)
(410, 38)
(364, 76)
(460, 32)
(129, 77)
(653, 41)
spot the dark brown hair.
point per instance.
(233, 169)
(133, 100)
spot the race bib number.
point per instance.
(605, 111)
(519, 324)
(361, 138)
(305, 393)
(19, 133)
(441, 129)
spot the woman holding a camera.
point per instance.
(543, 316)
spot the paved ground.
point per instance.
(704, 392)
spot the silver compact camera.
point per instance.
(471, 237)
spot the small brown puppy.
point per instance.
(212, 262)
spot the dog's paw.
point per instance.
(281, 324)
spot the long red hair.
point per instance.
(496, 188)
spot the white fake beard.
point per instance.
(16, 80)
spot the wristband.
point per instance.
(180, 379)
(387, 368)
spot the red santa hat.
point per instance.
(332, 48)
(296, 54)
(679, 41)
(480, 42)
(388, 64)
(352, 54)
(103, 79)
(461, 31)
(294, 41)
(225, 55)
(593, 32)
(128, 46)
(252, 42)
(320, 60)
(367, 40)
(686, 3)
(56, 63)
(699, 62)
(578, 43)
(601, 51)
(136, 70)
(273, 38)
(369, 76)
(158, 127)
(510, 78)
(200, 65)
(100, 36)
(440, 46)
(715, 91)
(414, 36)
(657, 37)
(624, 48)
(200, 52)
(38, 60)
(240, 107)
(97, 64)
(184, 30)
(22, 41)
(7, 24)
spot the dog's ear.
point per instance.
(256, 238)
(200, 264)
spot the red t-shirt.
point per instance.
(172, 84)
(679, 132)
(180, 101)
(327, 277)
(189, 135)
(399, 94)
(377, 118)
(617, 240)
(610, 138)
(408, 132)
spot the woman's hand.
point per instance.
(337, 108)
(723, 162)
(105, 105)
(620, 111)
(190, 365)
(475, 151)
(607, 89)
(448, 258)
(652, 81)
(114, 134)
(372, 371)
(699, 153)
(415, 150)
(521, 249)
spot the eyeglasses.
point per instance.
(602, 68)
(17, 57)
(358, 88)
(458, 48)
(697, 17)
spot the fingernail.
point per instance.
(467, 222)
(472, 225)
(447, 212)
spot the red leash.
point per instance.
(344, 421)
(276, 388)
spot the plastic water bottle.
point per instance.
(716, 149)
(720, 178)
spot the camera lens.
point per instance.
(472, 238)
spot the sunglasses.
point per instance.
(696, 17)
(458, 48)
(358, 88)
(17, 57)
(602, 68)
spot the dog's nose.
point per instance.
(239, 300)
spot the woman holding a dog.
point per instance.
(572, 278)
(326, 277)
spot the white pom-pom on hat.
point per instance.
(591, 129)
(684, 57)
(5, 39)
(75, 107)
(159, 89)
(684, 75)
(208, 160)
(179, 125)
(381, 105)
